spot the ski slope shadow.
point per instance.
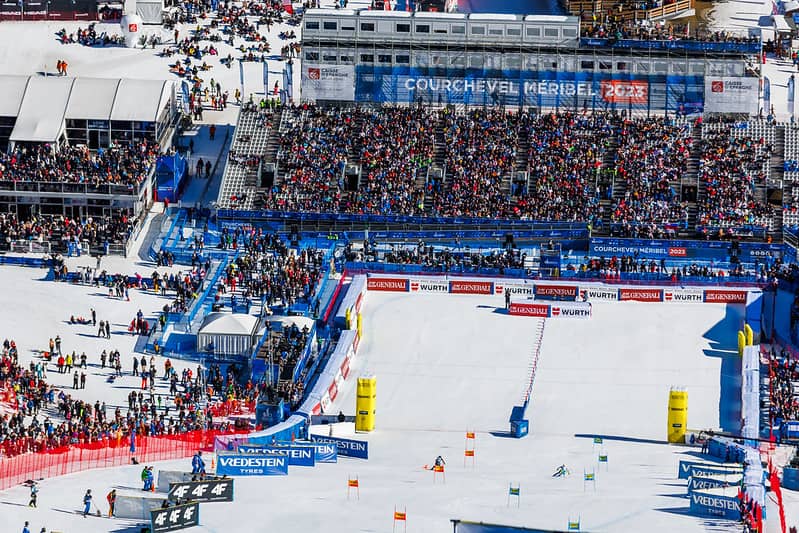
(709, 524)
(723, 340)
(620, 438)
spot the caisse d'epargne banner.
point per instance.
(328, 82)
(731, 95)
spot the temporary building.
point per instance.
(227, 334)
(41, 115)
(92, 111)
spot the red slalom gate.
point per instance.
(106, 453)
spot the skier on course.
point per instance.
(438, 462)
(561, 471)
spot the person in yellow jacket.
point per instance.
(69, 362)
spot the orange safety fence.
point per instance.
(103, 454)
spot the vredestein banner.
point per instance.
(252, 465)
(551, 89)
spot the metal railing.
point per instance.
(30, 247)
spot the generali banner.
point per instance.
(557, 292)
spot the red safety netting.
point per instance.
(231, 407)
(102, 454)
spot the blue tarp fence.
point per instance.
(170, 171)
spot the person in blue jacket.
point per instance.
(147, 477)
(87, 502)
(197, 463)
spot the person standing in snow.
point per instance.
(112, 499)
(87, 502)
(197, 463)
(34, 495)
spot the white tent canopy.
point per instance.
(780, 24)
(227, 333)
(279, 321)
(92, 98)
(13, 89)
(140, 100)
(41, 115)
(41, 103)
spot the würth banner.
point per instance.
(542, 310)
(557, 292)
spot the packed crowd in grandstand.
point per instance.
(285, 347)
(441, 259)
(578, 168)
(613, 267)
(480, 152)
(731, 168)
(564, 160)
(60, 230)
(123, 164)
(646, 31)
(783, 384)
(651, 158)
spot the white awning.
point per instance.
(41, 115)
(13, 89)
(780, 24)
(140, 100)
(229, 324)
(92, 98)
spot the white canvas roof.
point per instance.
(299, 321)
(92, 98)
(780, 24)
(41, 115)
(228, 324)
(13, 89)
(41, 103)
(139, 100)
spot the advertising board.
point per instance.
(252, 465)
